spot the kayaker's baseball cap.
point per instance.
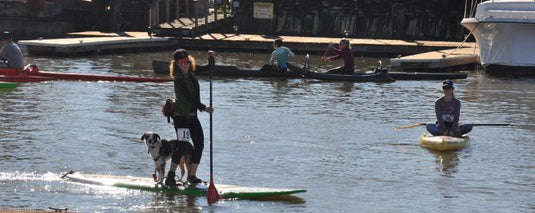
(6, 35)
(181, 56)
(448, 84)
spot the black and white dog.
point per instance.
(162, 150)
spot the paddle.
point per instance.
(67, 173)
(212, 196)
(325, 54)
(423, 124)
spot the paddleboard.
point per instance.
(8, 85)
(148, 184)
(443, 143)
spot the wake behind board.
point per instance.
(148, 184)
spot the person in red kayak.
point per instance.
(185, 120)
(342, 52)
(447, 110)
(10, 55)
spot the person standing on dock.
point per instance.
(281, 54)
(342, 52)
(10, 54)
(447, 110)
(185, 121)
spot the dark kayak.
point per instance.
(355, 77)
(162, 68)
(424, 75)
(267, 71)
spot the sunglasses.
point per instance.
(184, 61)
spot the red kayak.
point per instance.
(16, 78)
(32, 74)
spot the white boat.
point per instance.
(504, 31)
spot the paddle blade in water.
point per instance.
(212, 196)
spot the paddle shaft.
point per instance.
(327, 50)
(211, 63)
(492, 124)
(325, 53)
(423, 124)
(212, 195)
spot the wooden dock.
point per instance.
(96, 42)
(315, 45)
(437, 60)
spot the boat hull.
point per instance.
(443, 143)
(18, 75)
(267, 71)
(8, 85)
(504, 34)
(514, 71)
(426, 75)
(356, 77)
(88, 77)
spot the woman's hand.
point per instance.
(209, 109)
(211, 53)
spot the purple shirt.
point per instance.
(346, 55)
(447, 111)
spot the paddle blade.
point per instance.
(212, 196)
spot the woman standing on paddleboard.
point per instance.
(186, 123)
(447, 110)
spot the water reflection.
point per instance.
(188, 203)
(179, 203)
(446, 162)
(347, 86)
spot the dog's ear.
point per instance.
(158, 137)
(144, 136)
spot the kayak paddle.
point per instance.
(212, 196)
(423, 124)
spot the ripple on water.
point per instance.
(335, 139)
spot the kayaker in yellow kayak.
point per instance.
(447, 110)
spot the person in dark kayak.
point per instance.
(185, 121)
(342, 52)
(10, 55)
(281, 54)
(447, 110)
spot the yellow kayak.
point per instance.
(443, 143)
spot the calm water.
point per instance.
(334, 139)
